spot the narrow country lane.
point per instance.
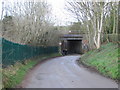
(64, 72)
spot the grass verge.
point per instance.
(104, 60)
(14, 74)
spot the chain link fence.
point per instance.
(14, 52)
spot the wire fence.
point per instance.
(14, 52)
(110, 37)
(1, 63)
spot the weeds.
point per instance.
(14, 74)
(105, 60)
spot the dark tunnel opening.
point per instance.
(74, 46)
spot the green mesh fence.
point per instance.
(13, 52)
(0, 52)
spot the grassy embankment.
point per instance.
(14, 74)
(105, 60)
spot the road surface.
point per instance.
(64, 72)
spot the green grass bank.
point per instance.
(104, 60)
(14, 74)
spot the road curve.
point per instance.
(63, 72)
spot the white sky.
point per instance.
(0, 7)
(59, 14)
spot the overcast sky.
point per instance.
(0, 7)
(59, 14)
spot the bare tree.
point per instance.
(31, 22)
(92, 15)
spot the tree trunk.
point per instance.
(98, 40)
(114, 23)
(100, 25)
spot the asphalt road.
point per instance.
(64, 72)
